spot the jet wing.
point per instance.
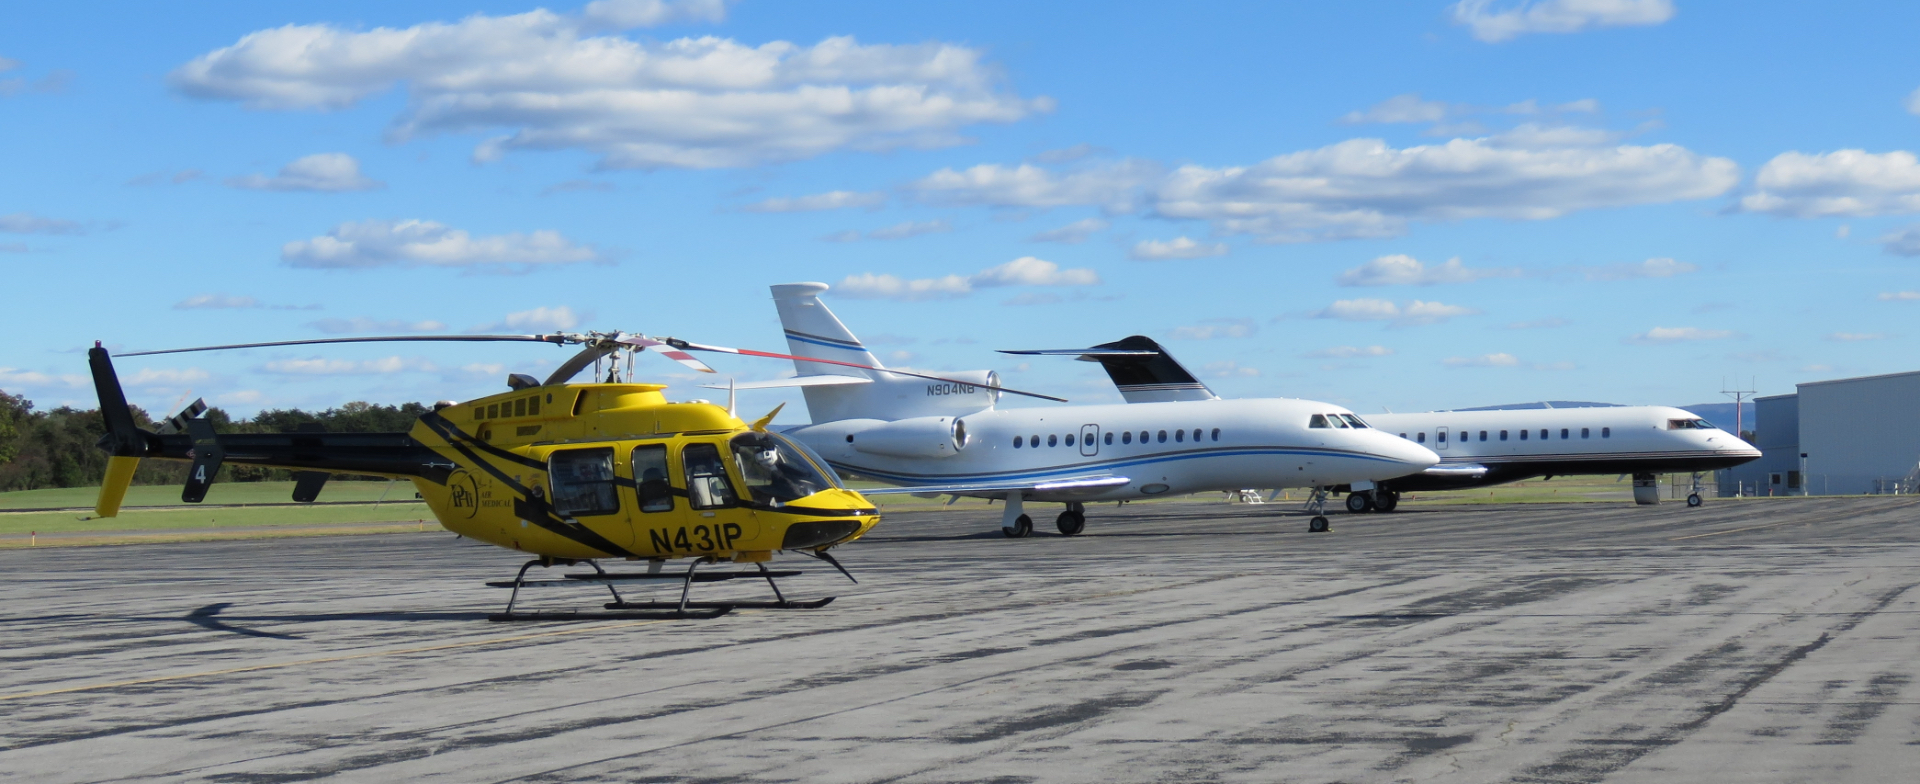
(1056, 487)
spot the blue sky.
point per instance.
(1407, 205)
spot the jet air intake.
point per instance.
(917, 437)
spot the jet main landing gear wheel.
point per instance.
(1318, 525)
(1022, 526)
(1385, 500)
(1070, 523)
(1693, 499)
(1360, 502)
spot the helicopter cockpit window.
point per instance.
(775, 471)
(650, 478)
(707, 483)
(583, 482)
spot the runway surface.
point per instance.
(1744, 641)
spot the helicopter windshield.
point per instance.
(775, 471)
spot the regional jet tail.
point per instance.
(1483, 446)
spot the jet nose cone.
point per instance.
(1413, 458)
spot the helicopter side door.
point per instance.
(715, 520)
(586, 491)
(657, 510)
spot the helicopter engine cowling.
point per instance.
(935, 436)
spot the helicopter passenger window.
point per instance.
(707, 483)
(776, 472)
(1126, 437)
(493, 410)
(650, 478)
(479, 413)
(533, 406)
(520, 407)
(1318, 420)
(583, 482)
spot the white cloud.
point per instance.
(327, 172)
(1404, 270)
(1905, 242)
(1113, 186)
(1853, 337)
(418, 243)
(1023, 271)
(1651, 268)
(338, 326)
(1900, 296)
(1228, 369)
(1495, 24)
(1852, 183)
(1350, 352)
(832, 200)
(900, 231)
(1364, 188)
(1210, 329)
(14, 378)
(541, 80)
(344, 367)
(163, 377)
(543, 319)
(1408, 108)
(216, 302)
(627, 14)
(29, 223)
(1176, 248)
(1073, 233)
(1413, 313)
(1484, 360)
(1663, 335)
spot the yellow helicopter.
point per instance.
(572, 473)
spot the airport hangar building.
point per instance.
(1857, 435)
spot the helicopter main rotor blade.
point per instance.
(677, 343)
(558, 340)
(665, 350)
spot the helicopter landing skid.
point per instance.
(620, 608)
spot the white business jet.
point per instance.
(1479, 447)
(941, 437)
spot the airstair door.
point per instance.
(1441, 440)
(1089, 440)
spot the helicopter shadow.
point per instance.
(211, 617)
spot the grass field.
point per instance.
(405, 513)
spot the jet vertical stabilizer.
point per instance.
(835, 392)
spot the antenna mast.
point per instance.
(1739, 410)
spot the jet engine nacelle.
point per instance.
(917, 437)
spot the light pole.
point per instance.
(1806, 487)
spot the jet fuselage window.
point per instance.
(1586, 432)
(1483, 435)
(1318, 420)
(1216, 434)
(1543, 434)
(1523, 434)
(1179, 435)
(1053, 440)
(1126, 437)
(1503, 435)
(1440, 436)
(1563, 434)
(1422, 437)
(1109, 438)
(1606, 432)
(1069, 439)
(1163, 436)
(1034, 440)
(1017, 441)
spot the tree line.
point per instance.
(55, 448)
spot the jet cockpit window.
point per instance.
(1337, 421)
(583, 482)
(1318, 420)
(1704, 425)
(1353, 420)
(1679, 424)
(707, 483)
(775, 471)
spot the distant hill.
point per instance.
(1721, 414)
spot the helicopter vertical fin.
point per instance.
(113, 488)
